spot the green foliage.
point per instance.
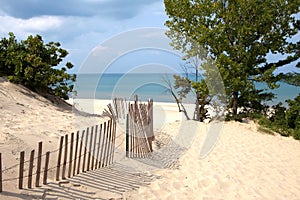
(34, 65)
(285, 121)
(293, 113)
(203, 99)
(291, 78)
(183, 85)
(238, 35)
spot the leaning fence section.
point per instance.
(77, 152)
(117, 110)
(139, 129)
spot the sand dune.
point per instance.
(244, 164)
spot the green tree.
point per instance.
(34, 64)
(285, 121)
(293, 116)
(203, 99)
(238, 35)
(292, 78)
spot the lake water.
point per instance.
(107, 86)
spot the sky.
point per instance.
(87, 27)
(80, 25)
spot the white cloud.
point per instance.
(24, 27)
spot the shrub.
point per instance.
(35, 65)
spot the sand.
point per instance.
(243, 164)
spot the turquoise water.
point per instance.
(107, 86)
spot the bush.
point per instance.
(296, 134)
(284, 121)
(35, 65)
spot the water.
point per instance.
(149, 85)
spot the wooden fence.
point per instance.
(79, 152)
(120, 107)
(89, 149)
(94, 150)
(117, 110)
(139, 129)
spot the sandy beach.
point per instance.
(244, 163)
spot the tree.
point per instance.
(238, 35)
(35, 65)
(292, 78)
(178, 100)
(285, 121)
(185, 85)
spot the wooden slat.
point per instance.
(127, 136)
(113, 141)
(71, 155)
(1, 172)
(59, 158)
(98, 149)
(109, 142)
(21, 169)
(39, 165)
(94, 147)
(90, 148)
(102, 146)
(105, 144)
(116, 106)
(80, 151)
(46, 168)
(75, 153)
(85, 149)
(63, 176)
(30, 169)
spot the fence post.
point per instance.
(65, 158)
(102, 145)
(106, 145)
(116, 106)
(80, 150)
(71, 155)
(59, 157)
(85, 149)
(21, 169)
(39, 163)
(30, 169)
(46, 168)
(75, 154)
(109, 143)
(112, 147)
(127, 136)
(98, 151)
(94, 149)
(0, 172)
(90, 148)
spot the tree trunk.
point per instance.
(197, 110)
(181, 107)
(235, 103)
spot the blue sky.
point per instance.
(82, 25)
(79, 25)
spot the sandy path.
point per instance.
(243, 165)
